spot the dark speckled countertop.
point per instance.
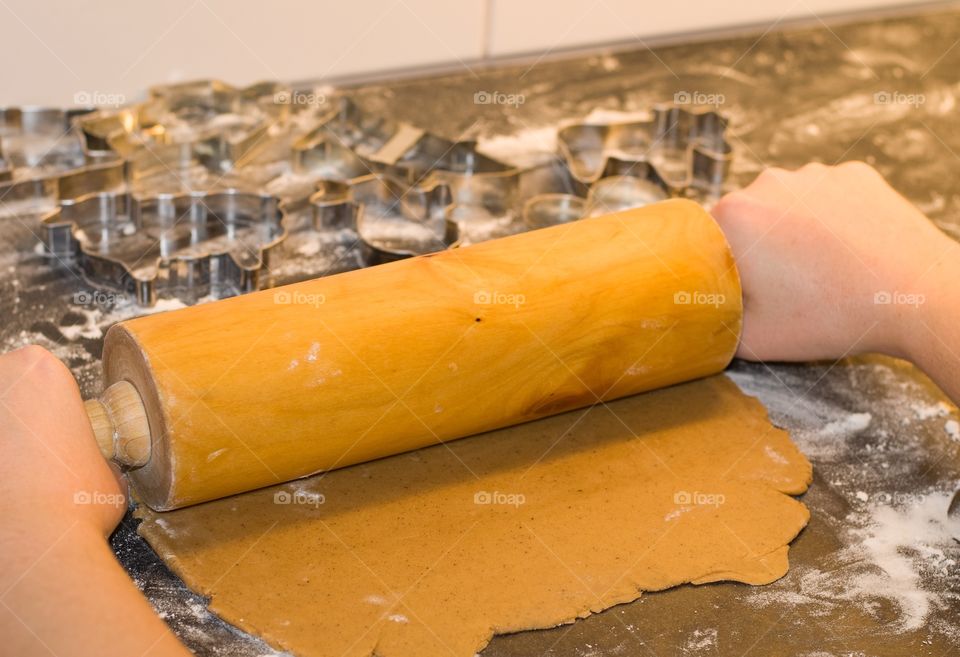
(875, 572)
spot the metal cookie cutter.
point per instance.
(204, 122)
(199, 101)
(227, 126)
(545, 210)
(607, 195)
(348, 143)
(489, 205)
(678, 148)
(196, 243)
(41, 138)
(392, 219)
(43, 160)
(44, 191)
(615, 193)
(474, 178)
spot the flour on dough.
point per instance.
(433, 552)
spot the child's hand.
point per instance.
(834, 262)
(50, 466)
(64, 591)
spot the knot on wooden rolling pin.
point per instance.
(120, 425)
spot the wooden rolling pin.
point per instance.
(259, 389)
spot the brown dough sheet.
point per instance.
(431, 553)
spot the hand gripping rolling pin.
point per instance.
(256, 390)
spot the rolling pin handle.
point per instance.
(119, 422)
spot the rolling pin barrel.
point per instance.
(247, 392)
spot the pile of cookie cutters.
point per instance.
(189, 192)
(42, 160)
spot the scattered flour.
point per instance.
(69, 352)
(701, 640)
(216, 454)
(925, 411)
(852, 423)
(162, 305)
(952, 427)
(521, 148)
(393, 232)
(890, 550)
(198, 610)
(88, 329)
(70, 339)
(477, 224)
(775, 456)
(97, 320)
(526, 147)
(820, 429)
(291, 185)
(873, 433)
(166, 526)
(310, 248)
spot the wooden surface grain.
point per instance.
(268, 387)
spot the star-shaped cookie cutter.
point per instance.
(191, 243)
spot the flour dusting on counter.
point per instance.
(522, 148)
(882, 571)
(701, 641)
(898, 560)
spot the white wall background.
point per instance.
(57, 50)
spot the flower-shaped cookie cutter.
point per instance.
(192, 243)
(678, 148)
(393, 220)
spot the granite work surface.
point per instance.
(876, 571)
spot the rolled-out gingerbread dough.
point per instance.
(433, 552)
